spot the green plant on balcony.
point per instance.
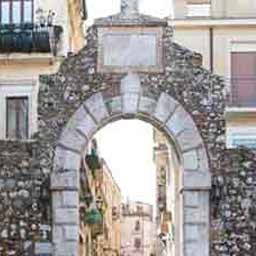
(93, 217)
(93, 162)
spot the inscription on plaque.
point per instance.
(130, 50)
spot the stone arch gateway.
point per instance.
(163, 112)
(112, 78)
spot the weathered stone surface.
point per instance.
(165, 107)
(96, 107)
(147, 105)
(25, 167)
(66, 159)
(66, 216)
(66, 179)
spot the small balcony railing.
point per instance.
(29, 38)
(242, 92)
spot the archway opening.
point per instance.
(164, 113)
(130, 192)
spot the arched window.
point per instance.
(16, 11)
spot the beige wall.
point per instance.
(219, 8)
(234, 8)
(113, 197)
(22, 69)
(225, 40)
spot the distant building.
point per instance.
(166, 195)
(100, 205)
(137, 230)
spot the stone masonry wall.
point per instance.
(25, 167)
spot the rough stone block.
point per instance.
(131, 84)
(57, 233)
(65, 180)
(196, 179)
(114, 105)
(57, 199)
(70, 198)
(165, 107)
(66, 159)
(191, 233)
(130, 103)
(189, 139)
(147, 105)
(97, 107)
(179, 121)
(71, 232)
(66, 216)
(81, 121)
(191, 198)
(74, 140)
(196, 240)
(190, 160)
(66, 248)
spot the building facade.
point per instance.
(138, 234)
(167, 196)
(223, 32)
(100, 208)
(35, 37)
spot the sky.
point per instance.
(127, 146)
(102, 8)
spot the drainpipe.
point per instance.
(211, 46)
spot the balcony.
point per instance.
(29, 38)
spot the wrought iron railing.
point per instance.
(29, 38)
(242, 92)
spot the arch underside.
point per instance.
(164, 113)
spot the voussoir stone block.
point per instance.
(114, 105)
(179, 121)
(96, 106)
(147, 105)
(165, 107)
(189, 139)
(66, 159)
(130, 103)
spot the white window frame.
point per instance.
(19, 88)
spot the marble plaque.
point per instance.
(130, 49)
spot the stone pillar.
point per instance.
(65, 205)
(196, 222)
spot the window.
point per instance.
(17, 117)
(243, 79)
(137, 243)
(16, 11)
(137, 225)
